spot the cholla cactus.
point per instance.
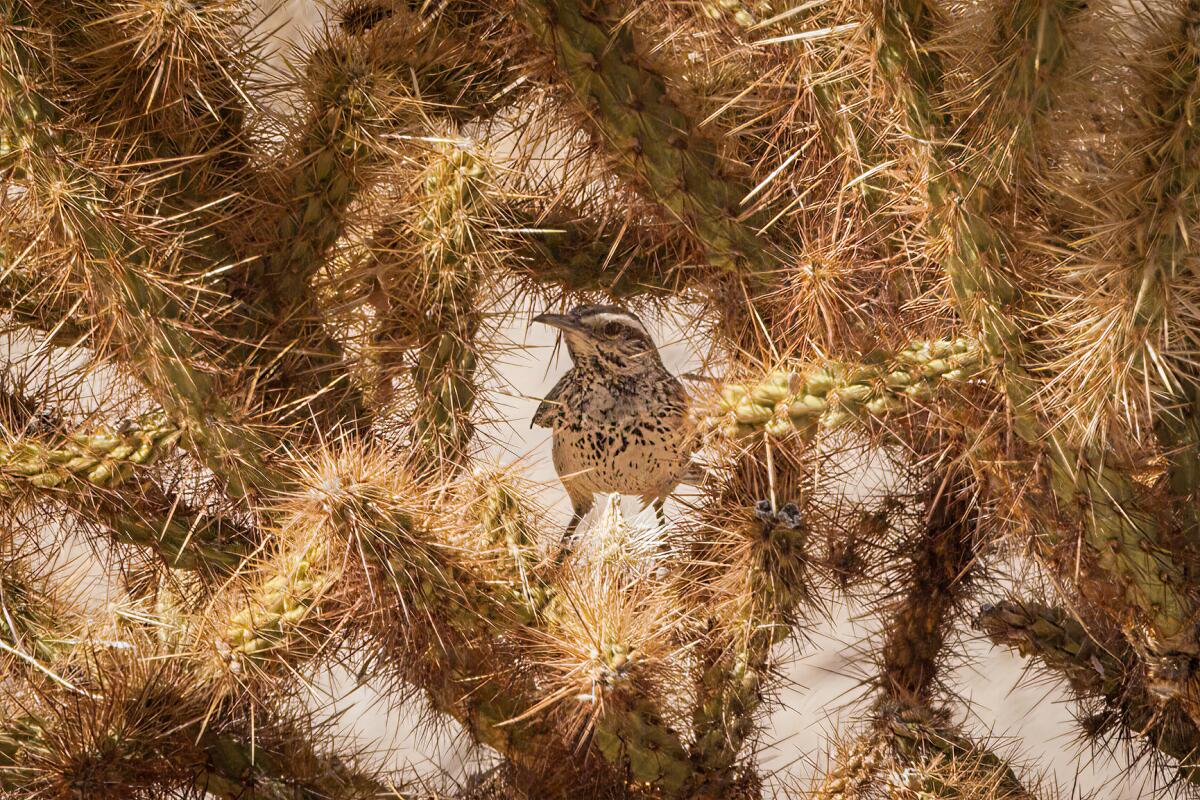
(253, 321)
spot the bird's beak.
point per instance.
(561, 321)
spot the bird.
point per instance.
(619, 418)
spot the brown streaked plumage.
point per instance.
(619, 417)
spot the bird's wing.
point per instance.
(549, 408)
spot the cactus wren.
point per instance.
(618, 416)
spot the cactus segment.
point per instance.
(637, 739)
(829, 395)
(576, 257)
(1056, 638)
(938, 576)
(101, 457)
(86, 470)
(274, 623)
(653, 141)
(453, 258)
(1059, 640)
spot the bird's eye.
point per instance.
(611, 329)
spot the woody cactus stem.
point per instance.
(144, 516)
(636, 738)
(32, 620)
(984, 290)
(26, 110)
(732, 693)
(1095, 670)
(89, 472)
(354, 98)
(938, 576)
(1126, 538)
(1030, 43)
(227, 766)
(854, 767)
(844, 122)
(851, 135)
(437, 623)
(18, 735)
(33, 301)
(730, 689)
(162, 351)
(163, 78)
(453, 252)
(655, 144)
(384, 80)
(828, 395)
(1030, 48)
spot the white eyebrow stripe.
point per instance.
(613, 316)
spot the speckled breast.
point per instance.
(644, 457)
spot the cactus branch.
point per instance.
(942, 563)
(1093, 669)
(452, 243)
(1126, 538)
(654, 143)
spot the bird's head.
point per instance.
(610, 335)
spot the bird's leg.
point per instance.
(567, 543)
(664, 547)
